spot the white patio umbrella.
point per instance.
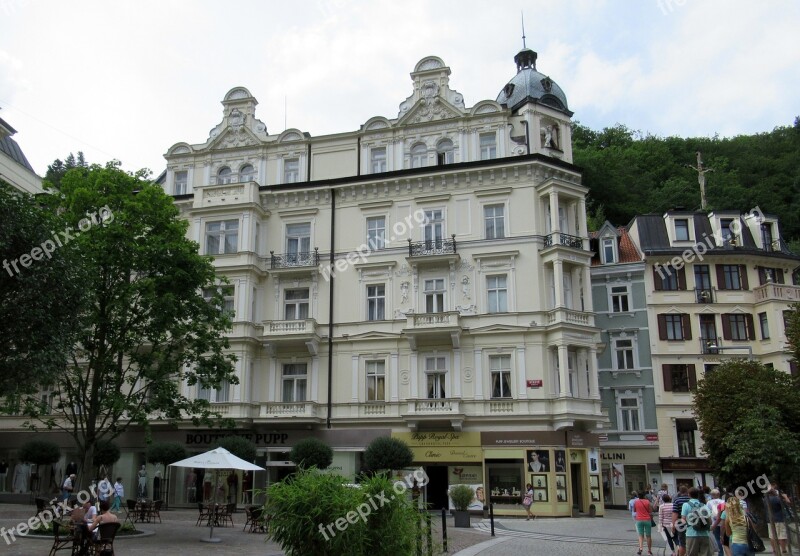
(216, 459)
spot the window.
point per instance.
(224, 176)
(609, 245)
(222, 237)
(378, 160)
(708, 333)
(619, 299)
(497, 294)
(668, 278)
(488, 143)
(181, 182)
(674, 327)
(629, 413)
(376, 232)
(246, 173)
(291, 170)
(731, 277)
(436, 372)
(376, 381)
(767, 237)
(770, 275)
(728, 236)
(684, 429)
(218, 395)
(376, 302)
(762, 320)
(294, 382)
(624, 354)
(434, 229)
(444, 152)
(787, 322)
(203, 393)
(681, 229)
(702, 277)
(500, 366)
(738, 326)
(298, 242)
(434, 295)
(679, 378)
(223, 392)
(296, 304)
(419, 156)
(494, 221)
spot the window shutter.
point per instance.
(667, 372)
(682, 278)
(751, 331)
(743, 276)
(720, 277)
(692, 376)
(662, 327)
(726, 326)
(779, 275)
(762, 275)
(659, 284)
(686, 324)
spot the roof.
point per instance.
(11, 148)
(531, 86)
(628, 252)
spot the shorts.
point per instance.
(680, 538)
(643, 528)
(780, 529)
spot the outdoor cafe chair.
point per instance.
(155, 511)
(63, 538)
(225, 514)
(205, 513)
(104, 545)
(130, 512)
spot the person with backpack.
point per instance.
(698, 524)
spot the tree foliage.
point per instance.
(239, 447)
(793, 331)
(38, 303)
(631, 173)
(387, 453)
(144, 328)
(40, 452)
(311, 452)
(750, 421)
(106, 453)
(166, 452)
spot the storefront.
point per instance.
(629, 469)
(687, 471)
(562, 467)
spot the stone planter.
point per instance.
(461, 518)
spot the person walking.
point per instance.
(527, 501)
(68, 486)
(715, 506)
(634, 498)
(734, 522)
(698, 520)
(678, 523)
(775, 512)
(665, 521)
(119, 494)
(643, 514)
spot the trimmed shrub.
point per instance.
(40, 452)
(239, 447)
(312, 452)
(106, 453)
(461, 495)
(166, 452)
(387, 453)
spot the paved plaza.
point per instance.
(178, 536)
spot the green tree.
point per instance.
(106, 454)
(166, 453)
(39, 292)
(387, 453)
(750, 422)
(239, 447)
(793, 331)
(40, 452)
(145, 327)
(311, 452)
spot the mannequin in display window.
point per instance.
(141, 490)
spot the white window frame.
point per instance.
(291, 170)
(445, 152)
(375, 370)
(612, 294)
(225, 175)
(181, 182)
(297, 304)
(245, 177)
(501, 365)
(437, 295)
(228, 292)
(376, 234)
(490, 221)
(215, 395)
(227, 229)
(432, 367)
(624, 422)
(435, 221)
(605, 244)
(688, 229)
(498, 291)
(295, 379)
(419, 155)
(303, 240)
(620, 347)
(487, 144)
(376, 302)
(378, 159)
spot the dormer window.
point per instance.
(728, 232)
(609, 250)
(767, 237)
(681, 229)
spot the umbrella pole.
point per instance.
(213, 516)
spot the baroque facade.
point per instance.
(426, 276)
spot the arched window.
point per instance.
(419, 155)
(444, 152)
(224, 175)
(246, 173)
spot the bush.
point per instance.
(40, 452)
(166, 452)
(305, 505)
(106, 453)
(386, 453)
(239, 447)
(312, 453)
(461, 495)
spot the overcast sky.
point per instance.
(127, 79)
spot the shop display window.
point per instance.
(594, 488)
(561, 487)
(505, 483)
(539, 483)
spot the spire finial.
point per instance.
(522, 15)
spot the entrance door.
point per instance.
(577, 488)
(437, 487)
(681, 481)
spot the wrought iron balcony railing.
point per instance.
(293, 260)
(704, 295)
(432, 247)
(560, 238)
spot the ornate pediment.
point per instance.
(234, 137)
(429, 109)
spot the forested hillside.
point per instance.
(630, 173)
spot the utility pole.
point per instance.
(701, 178)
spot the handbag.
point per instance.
(754, 542)
(652, 521)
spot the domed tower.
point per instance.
(536, 99)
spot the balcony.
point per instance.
(291, 334)
(235, 410)
(710, 346)
(433, 252)
(433, 328)
(294, 411)
(566, 240)
(289, 263)
(704, 295)
(434, 409)
(569, 316)
(777, 292)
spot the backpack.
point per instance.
(699, 518)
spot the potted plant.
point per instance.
(461, 495)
